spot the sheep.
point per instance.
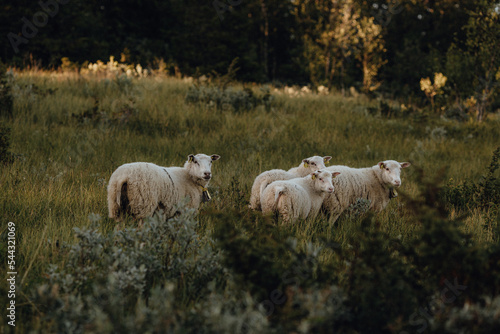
(140, 188)
(298, 198)
(306, 167)
(376, 184)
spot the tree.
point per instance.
(417, 36)
(341, 34)
(346, 34)
(317, 21)
(483, 47)
(370, 52)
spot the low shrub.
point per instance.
(5, 155)
(483, 194)
(230, 98)
(6, 98)
(118, 282)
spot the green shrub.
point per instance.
(92, 115)
(6, 98)
(5, 154)
(386, 110)
(484, 194)
(380, 286)
(108, 283)
(229, 98)
(216, 92)
(249, 245)
(480, 317)
(359, 208)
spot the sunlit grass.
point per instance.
(63, 165)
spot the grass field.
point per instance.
(70, 132)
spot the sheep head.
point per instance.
(199, 167)
(315, 163)
(323, 180)
(391, 172)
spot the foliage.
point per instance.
(483, 33)
(480, 317)
(341, 35)
(490, 185)
(216, 92)
(474, 67)
(370, 54)
(112, 69)
(380, 287)
(483, 194)
(289, 279)
(432, 89)
(359, 208)
(5, 141)
(237, 100)
(6, 99)
(388, 110)
(107, 278)
(385, 46)
(328, 45)
(248, 250)
(91, 114)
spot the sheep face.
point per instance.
(316, 163)
(391, 172)
(323, 180)
(200, 166)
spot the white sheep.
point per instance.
(140, 188)
(376, 184)
(306, 167)
(298, 198)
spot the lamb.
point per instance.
(140, 188)
(306, 167)
(376, 184)
(298, 198)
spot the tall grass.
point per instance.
(70, 132)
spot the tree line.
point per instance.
(383, 46)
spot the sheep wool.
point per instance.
(306, 167)
(376, 184)
(140, 189)
(298, 198)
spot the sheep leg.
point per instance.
(333, 218)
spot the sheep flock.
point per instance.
(141, 189)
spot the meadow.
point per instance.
(226, 269)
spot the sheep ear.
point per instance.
(405, 164)
(191, 158)
(313, 175)
(334, 175)
(381, 165)
(306, 163)
(326, 159)
(215, 157)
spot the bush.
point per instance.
(5, 155)
(380, 286)
(215, 92)
(229, 98)
(6, 99)
(386, 110)
(119, 282)
(481, 317)
(484, 194)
